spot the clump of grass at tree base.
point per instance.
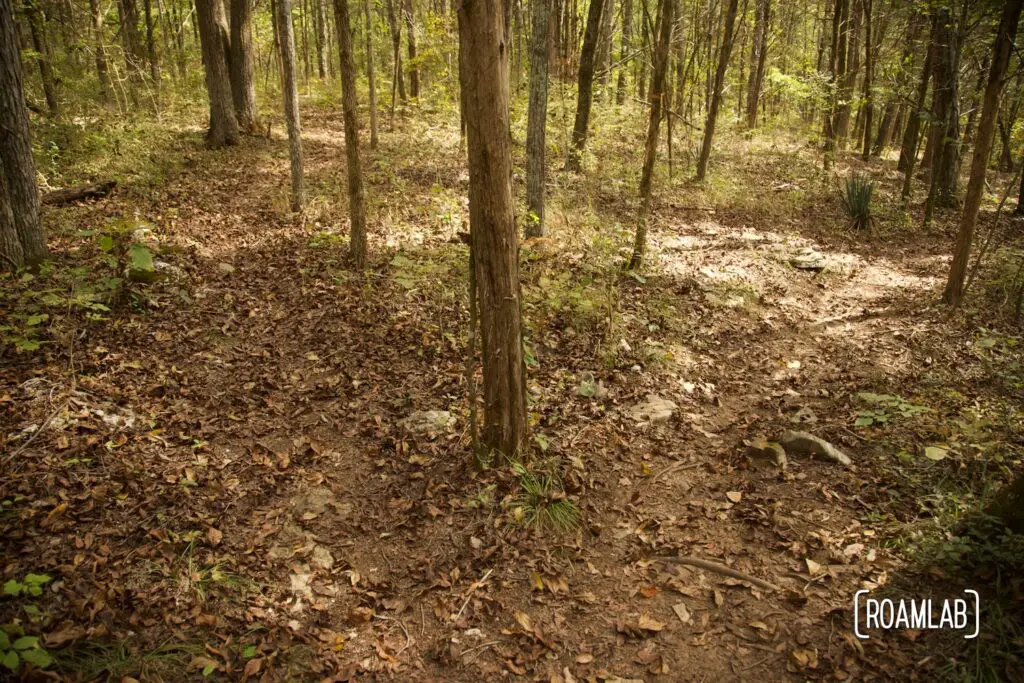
(541, 503)
(856, 199)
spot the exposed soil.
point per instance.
(221, 465)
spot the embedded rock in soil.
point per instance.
(809, 259)
(808, 444)
(427, 421)
(654, 409)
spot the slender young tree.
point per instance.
(540, 11)
(356, 210)
(290, 92)
(942, 191)
(100, 51)
(42, 49)
(243, 81)
(410, 43)
(1003, 46)
(908, 151)
(483, 76)
(398, 79)
(758, 55)
(151, 51)
(370, 76)
(585, 92)
(17, 168)
(625, 50)
(869, 68)
(661, 54)
(223, 128)
(716, 95)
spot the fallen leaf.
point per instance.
(523, 619)
(935, 453)
(734, 496)
(214, 535)
(647, 623)
(684, 614)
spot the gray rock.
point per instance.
(654, 409)
(808, 444)
(427, 422)
(225, 268)
(809, 259)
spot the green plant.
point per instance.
(31, 585)
(22, 649)
(542, 503)
(883, 407)
(856, 200)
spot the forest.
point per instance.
(527, 340)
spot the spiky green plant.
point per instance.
(857, 201)
(542, 503)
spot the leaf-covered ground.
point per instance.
(210, 471)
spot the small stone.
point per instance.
(654, 409)
(322, 558)
(225, 268)
(809, 259)
(427, 422)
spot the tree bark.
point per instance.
(16, 163)
(604, 50)
(12, 256)
(77, 194)
(321, 38)
(1005, 36)
(944, 164)
(356, 210)
(540, 11)
(585, 92)
(908, 152)
(869, 66)
(625, 50)
(100, 51)
(396, 47)
(370, 75)
(758, 54)
(151, 52)
(223, 124)
(42, 57)
(290, 92)
(131, 42)
(483, 74)
(665, 20)
(716, 95)
(243, 81)
(410, 43)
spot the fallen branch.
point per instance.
(75, 194)
(720, 569)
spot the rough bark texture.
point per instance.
(665, 16)
(604, 47)
(625, 58)
(100, 50)
(19, 169)
(357, 215)
(410, 43)
(396, 48)
(12, 256)
(908, 152)
(36, 28)
(1005, 36)
(758, 54)
(483, 75)
(151, 52)
(243, 81)
(370, 75)
(836, 61)
(537, 114)
(223, 124)
(321, 38)
(76, 194)
(290, 92)
(869, 65)
(716, 95)
(585, 92)
(945, 110)
(131, 41)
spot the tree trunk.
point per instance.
(483, 72)
(665, 20)
(1005, 36)
(151, 53)
(16, 164)
(908, 152)
(243, 81)
(869, 67)
(371, 77)
(716, 95)
(132, 43)
(836, 61)
(540, 11)
(223, 124)
(884, 129)
(100, 51)
(42, 57)
(645, 49)
(12, 256)
(851, 64)
(943, 187)
(585, 92)
(758, 53)
(321, 39)
(604, 50)
(410, 42)
(625, 50)
(290, 92)
(356, 210)
(396, 47)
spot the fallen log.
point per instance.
(75, 194)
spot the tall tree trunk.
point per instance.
(410, 43)
(604, 49)
(943, 187)
(758, 53)
(370, 75)
(321, 39)
(869, 66)
(885, 128)
(131, 42)
(356, 209)
(483, 72)
(850, 65)
(223, 124)
(1005, 36)
(42, 50)
(585, 92)
(836, 64)
(537, 115)
(16, 164)
(100, 50)
(908, 151)
(625, 50)
(665, 21)
(716, 96)
(396, 48)
(645, 49)
(290, 92)
(12, 256)
(243, 81)
(151, 54)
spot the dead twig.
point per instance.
(719, 569)
(408, 638)
(469, 593)
(681, 465)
